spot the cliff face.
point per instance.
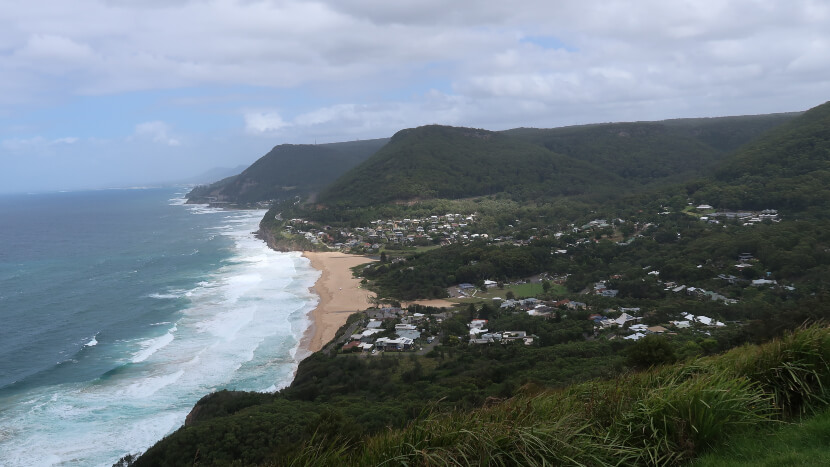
(283, 244)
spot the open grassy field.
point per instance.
(519, 291)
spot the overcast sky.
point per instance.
(97, 93)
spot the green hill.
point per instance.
(788, 168)
(447, 162)
(530, 164)
(288, 170)
(648, 152)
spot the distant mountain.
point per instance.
(787, 168)
(448, 162)
(288, 170)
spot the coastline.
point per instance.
(340, 296)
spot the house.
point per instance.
(513, 335)
(728, 278)
(509, 304)
(366, 336)
(409, 334)
(763, 282)
(480, 341)
(351, 345)
(625, 318)
(401, 343)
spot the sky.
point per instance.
(113, 93)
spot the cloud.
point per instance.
(358, 45)
(156, 131)
(35, 144)
(260, 122)
(68, 140)
(331, 70)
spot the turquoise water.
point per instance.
(119, 309)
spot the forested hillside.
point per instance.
(788, 168)
(447, 162)
(288, 170)
(595, 161)
(647, 152)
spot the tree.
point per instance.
(649, 351)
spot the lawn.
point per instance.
(519, 291)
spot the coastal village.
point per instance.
(400, 329)
(450, 228)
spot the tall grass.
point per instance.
(663, 416)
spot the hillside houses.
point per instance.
(446, 229)
(388, 320)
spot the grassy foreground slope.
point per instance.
(664, 416)
(805, 443)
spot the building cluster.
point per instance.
(744, 217)
(442, 230)
(480, 335)
(401, 328)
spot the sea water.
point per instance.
(119, 309)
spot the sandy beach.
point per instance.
(339, 293)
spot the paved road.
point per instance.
(337, 343)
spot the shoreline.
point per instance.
(339, 295)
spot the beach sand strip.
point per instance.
(340, 295)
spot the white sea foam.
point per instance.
(148, 386)
(151, 346)
(92, 342)
(240, 330)
(166, 296)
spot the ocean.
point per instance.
(119, 309)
